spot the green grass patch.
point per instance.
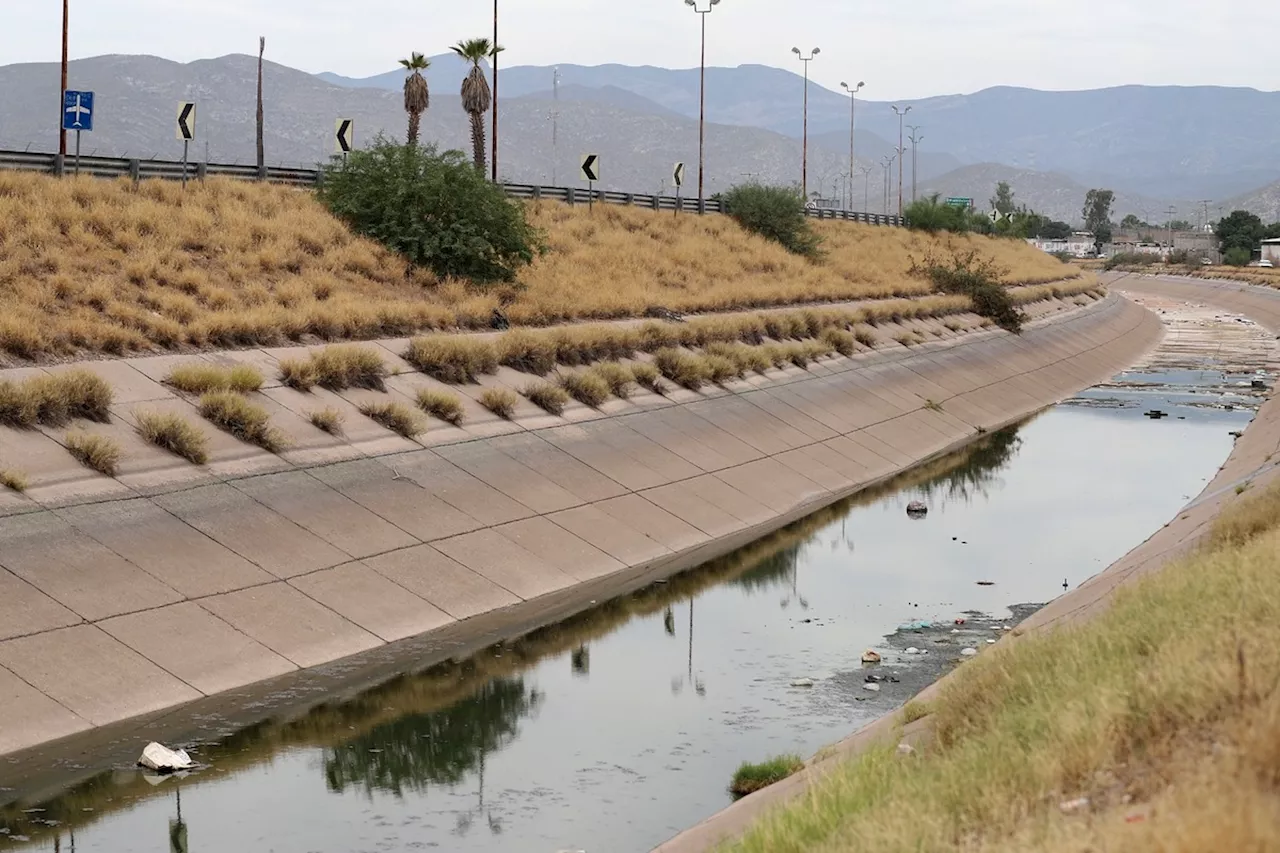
(750, 778)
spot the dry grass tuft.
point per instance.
(683, 368)
(55, 399)
(587, 388)
(721, 369)
(174, 433)
(453, 360)
(841, 341)
(648, 377)
(550, 398)
(328, 420)
(233, 413)
(203, 378)
(98, 452)
(617, 377)
(14, 480)
(528, 352)
(441, 404)
(396, 417)
(746, 358)
(500, 401)
(336, 368)
(99, 266)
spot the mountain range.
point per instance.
(1155, 146)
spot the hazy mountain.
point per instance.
(137, 99)
(1158, 141)
(1264, 201)
(1049, 193)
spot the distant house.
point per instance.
(1080, 244)
(1271, 250)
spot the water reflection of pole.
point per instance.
(691, 639)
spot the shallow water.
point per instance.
(617, 729)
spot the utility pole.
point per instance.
(702, 103)
(901, 115)
(916, 139)
(1171, 211)
(804, 165)
(555, 122)
(853, 103)
(62, 133)
(494, 59)
(887, 162)
(1206, 202)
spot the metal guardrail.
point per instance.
(111, 167)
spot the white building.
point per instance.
(1271, 250)
(1080, 244)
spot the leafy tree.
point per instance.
(1055, 230)
(434, 209)
(1241, 230)
(930, 214)
(1271, 232)
(1179, 225)
(1002, 203)
(1131, 223)
(1097, 215)
(775, 213)
(1237, 256)
(417, 97)
(476, 97)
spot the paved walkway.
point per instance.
(1255, 459)
(124, 596)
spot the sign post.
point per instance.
(677, 175)
(343, 137)
(77, 115)
(186, 131)
(591, 172)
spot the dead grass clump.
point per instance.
(648, 377)
(203, 378)
(683, 368)
(13, 479)
(233, 413)
(908, 339)
(841, 341)
(98, 452)
(581, 345)
(745, 357)
(616, 377)
(721, 369)
(298, 373)
(452, 359)
(55, 399)
(396, 417)
(528, 352)
(550, 398)
(327, 420)
(500, 401)
(865, 337)
(1253, 514)
(174, 433)
(441, 404)
(587, 388)
(342, 367)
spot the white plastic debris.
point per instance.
(872, 686)
(165, 760)
(969, 652)
(802, 682)
(912, 651)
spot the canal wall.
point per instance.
(122, 598)
(1254, 460)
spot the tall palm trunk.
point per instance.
(262, 155)
(477, 140)
(415, 122)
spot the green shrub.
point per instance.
(1131, 259)
(435, 209)
(970, 274)
(1237, 256)
(775, 213)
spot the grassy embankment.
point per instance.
(1251, 275)
(92, 266)
(1153, 727)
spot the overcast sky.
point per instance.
(907, 48)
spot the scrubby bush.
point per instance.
(775, 213)
(1130, 259)
(977, 277)
(433, 208)
(1237, 256)
(931, 215)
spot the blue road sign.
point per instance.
(77, 110)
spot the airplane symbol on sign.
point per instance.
(78, 110)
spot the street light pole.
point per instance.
(853, 100)
(887, 162)
(62, 133)
(494, 155)
(804, 165)
(866, 186)
(901, 115)
(915, 140)
(702, 103)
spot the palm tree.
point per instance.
(476, 97)
(417, 97)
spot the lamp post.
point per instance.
(916, 138)
(702, 101)
(901, 115)
(62, 133)
(853, 100)
(804, 165)
(866, 186)
(887, 162)
(494, 59)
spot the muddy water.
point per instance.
(618, 728)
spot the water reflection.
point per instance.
(980, 473)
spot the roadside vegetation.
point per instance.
(174, 433)
(396, 417)
(336, 368)
(202, 378)
(55, 399)
(776, 214)
(1155, 726)
(101, 267)
(235, 414)
(98, 452)
(13, 480)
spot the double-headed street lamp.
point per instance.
(702, 99)
(901, 115)
(866, 186)
(853, 100)
(804, 166)
(887, 162)
(916, 138)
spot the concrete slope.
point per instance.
(124, 597)
(1254, 459)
